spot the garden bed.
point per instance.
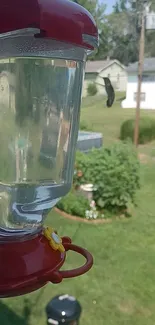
(83, 220)
(104, 185)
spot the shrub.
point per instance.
(115, 173)
(82, 169)
(92, 89)
(74, 203)
(146, 130)
(84, 126)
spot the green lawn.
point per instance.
(108, 120)
(120, 288)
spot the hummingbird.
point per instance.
(110, 91)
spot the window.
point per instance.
(142, 97)
(148, 78)
(108, 76)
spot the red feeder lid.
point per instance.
(62, 20)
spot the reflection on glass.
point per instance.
(38, 105)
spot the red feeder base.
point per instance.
(29, 265)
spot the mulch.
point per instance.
(79, 219)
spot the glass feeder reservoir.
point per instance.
(40, 92)
(43, 49)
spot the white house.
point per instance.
(147, 88)
(97, 70)
(7, 89)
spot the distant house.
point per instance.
(148, 85)
(7, 89)
(113, 69)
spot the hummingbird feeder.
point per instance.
(43, 49)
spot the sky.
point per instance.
(109, 4)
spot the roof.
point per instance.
(98, 66)
(149, 66)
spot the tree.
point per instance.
(97, 9)
(119, 32)
(120, 6)
(124, 36)
(149, 35)
(121, 39)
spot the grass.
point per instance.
(108, 120)
(120, 288)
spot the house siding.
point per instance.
(117, 76)
(147, 88)
(116, 73)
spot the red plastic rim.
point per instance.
(81, 270)
(28, 266)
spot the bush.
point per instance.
(74, 203)
(92, 89)
(115, 173)
(146, 130)
(82, 169)
(84, 126)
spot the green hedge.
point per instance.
(85, 126)
(146, 130)
(74, 203)
(115, 173)
(92, 89)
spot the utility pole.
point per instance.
(140, 74)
